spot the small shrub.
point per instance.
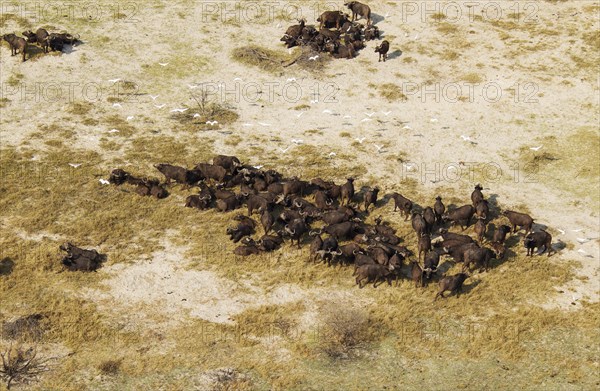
(344, 331)
(110, 367)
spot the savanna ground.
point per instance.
(462, 99)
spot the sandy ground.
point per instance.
(426, 129)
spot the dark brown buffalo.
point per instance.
(230, 163)
(480, 257)
(330, 19)
(246, 250)
(267, 220)
(375, 274)
(383, 50)
(416, 274)
(404, 204)
(500, 234)
(216, 173)
(482, 209)
(439, 208)
(347, 191)
(424, 244)
(480, 228)
(535, 240)
(429, 217)
(458, 252)
(477, 195)
(16, 44)
(371, 197)
(419, 224)
(521, 220)
(227, 204)
(41, 37)
(79, 259)
(451, 283)
(359, 9)
(461, 215)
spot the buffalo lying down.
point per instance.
(79, 259)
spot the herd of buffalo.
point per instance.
(45, 40)
(331, 219)
(339, 34)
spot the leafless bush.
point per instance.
(20, 365)
(344, 331)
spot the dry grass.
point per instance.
(265, 59)
(392, 92)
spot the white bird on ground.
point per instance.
(331, 154)
(290, 51)
(179, 110)
(313, 58)
(212, 123)
(360, 140)
(347, 116)
(160, 106)
(535, 148)
(75, 165)
(369, 114)
(581, 251)
(117, 105)
(163, 64)
(154, 97)
(365, 119)
(583, 240)
(327, 111)
(386, 15)
(284, 150)
(103, 181)
(291, 79)
(407, 127)
(409, 167)
(130, 118)
(113, 131)
(386, 113)
(433, 120)
(314, 101)
(379, 147)
(258, 167)
(279, 25)
(467, 138)
(561, 231)
(114, 80)
(196, 115)
(295, 141)
(300, 114)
